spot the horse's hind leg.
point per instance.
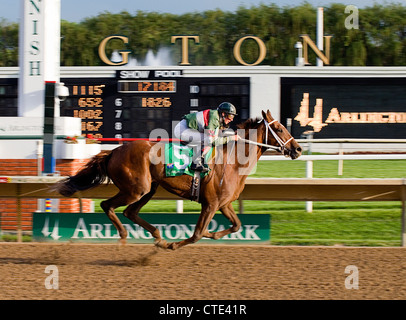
(229, 213)
(108, 206)
(132, 211)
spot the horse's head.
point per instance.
(277, 135)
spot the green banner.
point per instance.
(96, 227)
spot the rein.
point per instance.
(261, 144)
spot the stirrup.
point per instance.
(199, 166)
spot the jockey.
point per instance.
(203, 127)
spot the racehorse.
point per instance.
(131, 168)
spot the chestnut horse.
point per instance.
(134, 169)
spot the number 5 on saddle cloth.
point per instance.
(178, 160)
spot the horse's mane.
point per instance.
(250, 124)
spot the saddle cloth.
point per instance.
(178, 159)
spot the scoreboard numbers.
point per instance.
(134, 103)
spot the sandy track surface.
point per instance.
(200, 272)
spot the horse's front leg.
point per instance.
(206, 215)
(229, 213)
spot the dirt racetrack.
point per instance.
(200, 272)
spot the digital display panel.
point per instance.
(117, 108)
(135, 86)
(345, 107)
(87, 102)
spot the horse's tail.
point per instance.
(91, 175)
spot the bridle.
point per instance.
(279, 140)
(282, 144)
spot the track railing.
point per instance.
(278, 189)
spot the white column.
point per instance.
(320, 33)
(309, 174)
(39, 53)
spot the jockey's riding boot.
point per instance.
(199, 165)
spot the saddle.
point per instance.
(178, 161)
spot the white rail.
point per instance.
(349, 140)
(339, 157)
(342, 145)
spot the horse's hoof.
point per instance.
(122, 242)
(161, 244)
(172, 246)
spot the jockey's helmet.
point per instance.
(227, 108)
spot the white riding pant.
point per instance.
(194, 138)
(184, 133)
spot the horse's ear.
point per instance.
(268, 113)
(263, 114)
